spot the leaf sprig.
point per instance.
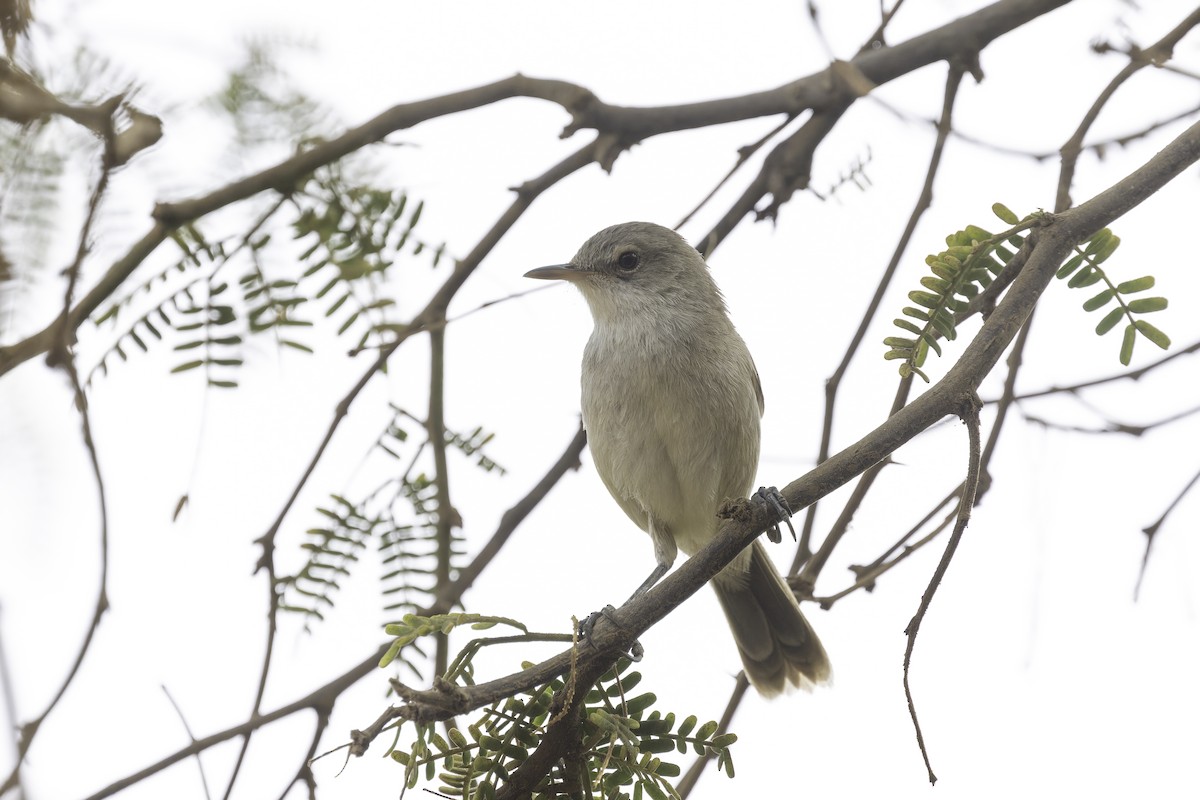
(621, 750)
(974, 258)
(1083, 270)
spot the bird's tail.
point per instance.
(777, 645)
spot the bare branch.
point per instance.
(619, 127)
(970, 416)
(1157, 54)
(1152, 529)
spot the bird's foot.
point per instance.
(779, 504)
(608, 612)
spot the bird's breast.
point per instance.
(673, 426)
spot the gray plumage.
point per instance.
(671, 403)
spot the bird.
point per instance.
(672, 403)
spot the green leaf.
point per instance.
(184, 367)
(933, 284)
(1085, 277)
(1107, 250)
(1098, 241)
(350, 320)
(1153, 334)
(640, 703)
(942, 271)
(656, 745)
(1127, 344)
(388, 658)
(925, 299)
(1110, 321)
(1002, 211)
(1147, 305)
(1099, 301)
(922, 352)
(944, 324)
(1136, 285)
(1069, 267)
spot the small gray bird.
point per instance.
(671, 404)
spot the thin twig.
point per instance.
(188, 730)
(970, 416)
(1155, 55)
(1133, 375)
(447, 516)
(868, 574)
(62, 356)
(744, 155)
(1151, 532)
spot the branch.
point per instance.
(1133, 375)
(24, 101)
(326, 696)
(1151, 531)
(61, 356)
(619, 127)
(447, 516)
(449, 594)
(1157, 54)
(970, 416)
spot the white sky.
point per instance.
(1035, 674)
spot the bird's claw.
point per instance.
(779, 504)
(636, 651)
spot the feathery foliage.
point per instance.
(622, 750)
(975, 257)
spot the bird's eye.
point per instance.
(628, 261)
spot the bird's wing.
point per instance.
(762, 406)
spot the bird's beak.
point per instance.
(559, 272)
